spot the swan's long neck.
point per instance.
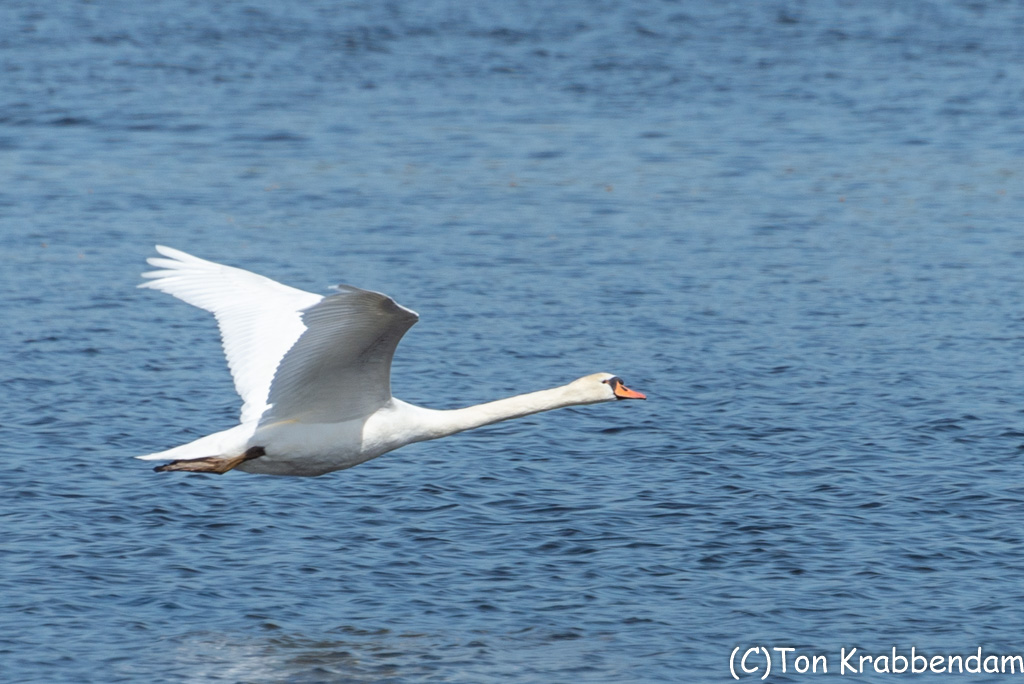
(436, 423)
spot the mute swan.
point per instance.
(314, 375)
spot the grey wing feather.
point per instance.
(340, 367)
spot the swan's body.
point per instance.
(314, 376)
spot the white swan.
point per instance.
(314, 375)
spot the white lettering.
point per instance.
(844, 661)
(853, 660)
(783, 651)
(977, 659)
(743, 660)
(913, 661)
(896, 660)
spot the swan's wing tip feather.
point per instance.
(386, 300)
(174, 262)
(174, 253)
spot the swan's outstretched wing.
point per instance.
(340, 367)
(260, 319)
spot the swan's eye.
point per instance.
(613, 381)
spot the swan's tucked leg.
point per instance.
(212, 464)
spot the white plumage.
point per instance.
(314, 375)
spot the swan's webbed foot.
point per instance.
(212, 464)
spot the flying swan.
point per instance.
(314, 375)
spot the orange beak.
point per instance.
(623, 392)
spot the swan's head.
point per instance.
(604, 387)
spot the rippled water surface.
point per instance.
(796, 226)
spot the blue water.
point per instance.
(796, 226)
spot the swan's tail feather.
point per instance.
(231, 441)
